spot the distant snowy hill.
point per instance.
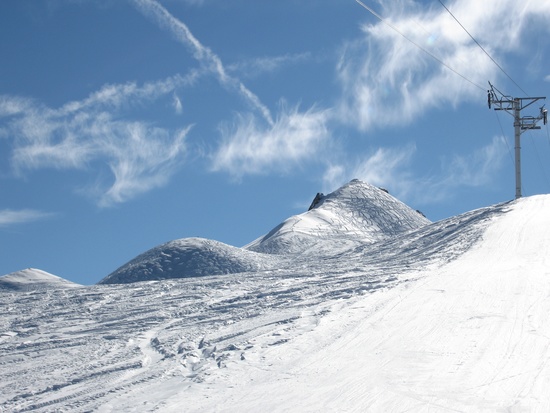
(400, 315)
(354, 215)
(188, 257)
(33, 279)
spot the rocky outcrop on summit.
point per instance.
(357, 213)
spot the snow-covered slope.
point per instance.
(188, 257)
(33, 279)
(355, 214)
(471, 336)
(451, 316)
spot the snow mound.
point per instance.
(32, 279)
(355, 214)
(187, 257)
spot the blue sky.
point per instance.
(125, 124)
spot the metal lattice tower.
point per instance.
(514, 106)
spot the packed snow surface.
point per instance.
(445, 316)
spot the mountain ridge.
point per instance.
(356, 211)
(355, 214)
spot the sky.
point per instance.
(126, 124)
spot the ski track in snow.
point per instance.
(165, 345)
(469, 336)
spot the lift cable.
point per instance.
(417, 45)
(484, 51)
(543, 112)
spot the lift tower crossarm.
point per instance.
(514, 106)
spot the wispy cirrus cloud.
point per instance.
(123, 96)
(254, 144)
(81, 133)
(207, 58)
(392, 168)
(176, 104)
(9, 217)
(14, 105)
(384, 74)
(250, 147)
(140, 156)
(261, 65)
(478, 168)
(385, 167)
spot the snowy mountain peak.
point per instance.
(355, 213)
(33, 279)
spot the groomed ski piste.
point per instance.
(358, 305)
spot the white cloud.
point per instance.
(384, 76)
(385, 167)
(391, 168)
(254, 148)
(203, 54)
(478, 168)
(261, 65)
(176, 103)
(122, 96)
(255, 144)
(13, 105)
(139, 155)
(147, 160)
(335, 176)
(10, 217)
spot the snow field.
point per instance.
(472, 336)
(449, 316)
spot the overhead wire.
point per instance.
(417, 45)
(483, 49)
(513, 81)
(433, 56)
